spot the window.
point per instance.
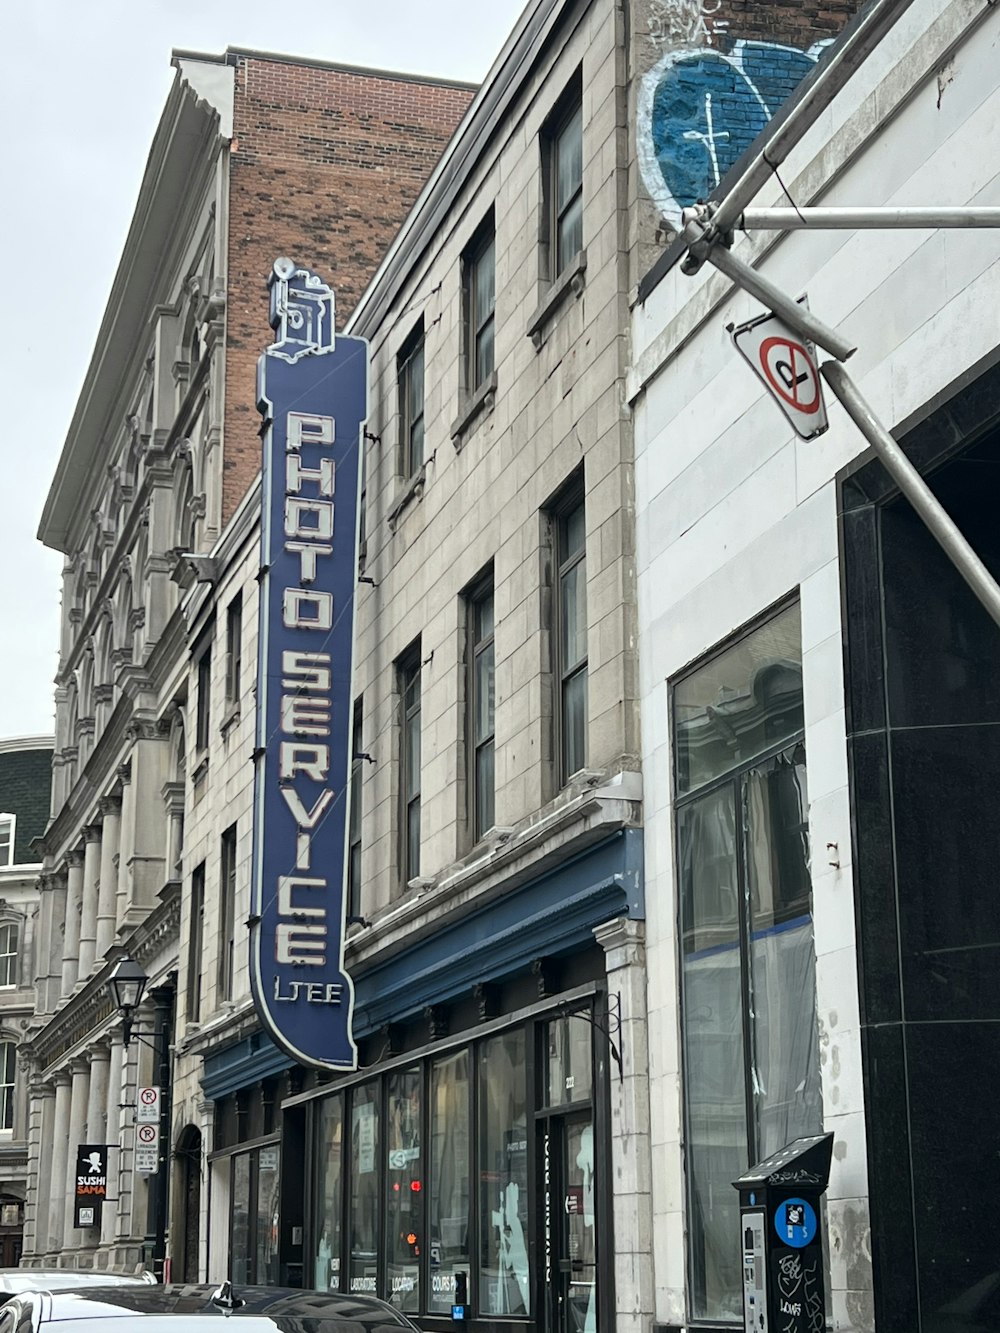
(329, 1166)
(450, 1183)
(570, 524)
(203, 718)
(562, 165)
(234, 651)
(8, 1070)
(751, 1053)
(195, 942)
(7, 839)
(363, 1212)
(9, 937)
(354, 826)
(227, 913)
(479, 298)
(504, 1227)
(404, 1185)
(410, 377)
(409, 689)
(481, 707)
(253, 1216)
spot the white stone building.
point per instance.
(819, 714)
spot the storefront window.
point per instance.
(751, 1054)
(570, 1062)
(239, 1246)
(404, 1180)
(449, 1178)
(364, 1202)
(329, 1173)
(505, 1285)
(267, 1217)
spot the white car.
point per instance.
(60, 1279)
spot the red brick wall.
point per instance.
(325, 165)
(792, 22)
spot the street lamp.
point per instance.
(127, 983)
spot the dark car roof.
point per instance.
(291, 1309)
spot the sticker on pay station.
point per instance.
(786, 364)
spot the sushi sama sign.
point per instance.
(312, 391)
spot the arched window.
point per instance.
(8, 1074)
(10, 936)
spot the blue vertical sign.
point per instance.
(312, 390)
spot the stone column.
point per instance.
(114, 1122)
(623, 942)
(72, 1236)
(144, 841)
(59, 1179)
(41, 1107)
(71, 941)
(126, 821)
(91, 884)
(51, 956)
(97, 1115)
(107, 894)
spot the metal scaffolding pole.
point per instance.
(796, 316)
(861, 219)
(939, 522)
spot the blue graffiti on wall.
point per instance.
(700, 110)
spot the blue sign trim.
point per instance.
(313, 394)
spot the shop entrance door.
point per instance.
(570, 1270)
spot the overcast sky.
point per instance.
(84, 84)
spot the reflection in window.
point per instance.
(266, 1270)
(239, 1236)
(364, 1203)
(749, 1014)
(449, 1178)
(8, 953)
(482, 699)
(570, 1063)
(505, 1286)
(8, 1074)
(329, 1145)
(571, 636)
(404, 1178)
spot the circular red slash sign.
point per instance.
(789, 370)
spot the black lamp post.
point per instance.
(127, 983)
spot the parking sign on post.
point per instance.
(147, 1149)
(147, 1107)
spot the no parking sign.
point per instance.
(786, 365)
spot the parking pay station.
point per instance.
(783, 1276)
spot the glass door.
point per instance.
(576, 1256)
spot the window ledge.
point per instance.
(413, 490)
(481, 403)
(570, 280)
(230, 719)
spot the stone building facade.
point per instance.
(495, 879)
(819, 712)
(153, 468)
(494, 1148)
(25, 780)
